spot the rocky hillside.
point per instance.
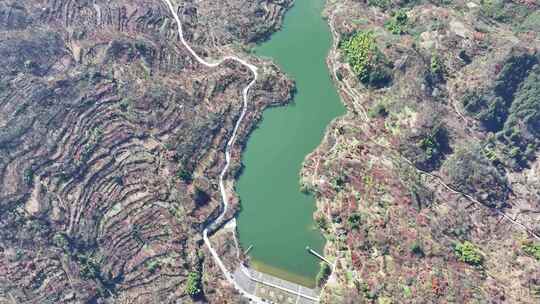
(427, 188)
(111, 142)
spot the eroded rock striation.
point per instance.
(111, 143)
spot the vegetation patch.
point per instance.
(491, 107)
(366, 60)
(467, 252)
(521, 131)
(532, 249)
(379, 110)
(355, 220)
(416, 249)
(427, 145)
(193, 285)
(324, 273)
(512, 108)
(184, 175)
(531, 23)
(380, 3)
(505, 11)
(436, 70)
(398, 22)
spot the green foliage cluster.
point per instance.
(324, 273)
(28, 176)
(184, 175)
(379, 110)
(398, 22)
(322, 223)
(366, 60)
(339, 182)
(531, 23)
(489, 110)
(355, 220)
(90, 267)
(494, 9)
(432, 142)
(532, 249)
(193, 284)
(201, 197)
(435, 73)
(367, 292)
(436, 65)
(505, 11)
(61, 240)
(379, 3)
(416, 249)
(427, 146)
(390, 4)
(119, 180)
(512, 108)
(521, 131)
(152, 265)
(91, 144)
(467, 252)
(469, 171)
(516, 68)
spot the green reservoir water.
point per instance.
(276, 218)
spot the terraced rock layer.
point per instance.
(111, 142)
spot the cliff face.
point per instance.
(426, 188)
(111, 143)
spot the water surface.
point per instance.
(276, 218)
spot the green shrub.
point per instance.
(339, 182)
(379, 110)
(324, 273)
(488, 109)
(531, 23)
(532, 249)
(322, 223)
(515, 69)
(201, 197)
(506, 11)
(435, 72)
(152, 266)
(193, 285)
(185, 175)
(379, 3)
(28, 176)
(494, 9)
(467, 252)
(355, 220)
(90, 267)
(366, 60)
(427, 145)
(431, 143)
(521, 131)
(398, 23)
(436, 65)
(61, 240)
(416, 249)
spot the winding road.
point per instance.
(224, 196)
